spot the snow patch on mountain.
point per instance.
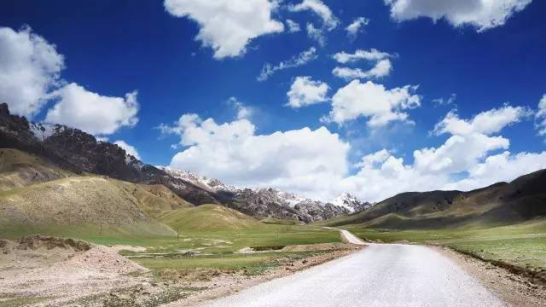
(350, 203)
(259, 198)
(209, 184)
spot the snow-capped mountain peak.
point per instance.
(349, 202)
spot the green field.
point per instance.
(218, 249)
(522, 245)
(211, 249)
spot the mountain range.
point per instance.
(501, 204)
(72, 151)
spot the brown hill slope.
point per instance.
(155, 200)
(208, 218)
(19, 169)
(499, 204)
(81, 206)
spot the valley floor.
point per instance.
(277, 265)
(394, 275)
(45, 271)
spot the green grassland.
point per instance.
(521, 245)
(218, 249)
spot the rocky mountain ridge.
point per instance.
(81, 153)
(266, 200)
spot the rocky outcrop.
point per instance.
(268, 202)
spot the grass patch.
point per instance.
(522, 245)
(216, 250)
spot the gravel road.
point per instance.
(380, 275)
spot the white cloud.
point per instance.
(372, 55)
(318, 7)
(228, 26)
(131, 150)
(356, 27)
(315, 163)
(243, 111)
(503, 167)
(488, 122)
(470, 140)
(293, 26)
(316, 34)
(305, 92)
(298, 60)
(298, 160)
(541, 116)
(373, 101)
(382, 64)
(29, 67)
(91, 112)
(481, 14)
(381, 69)
(469, 150)
(374, 159)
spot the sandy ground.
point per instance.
(61, 269)
(46, 271)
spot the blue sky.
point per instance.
(485, 57)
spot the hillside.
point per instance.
(500, 204)
(208, 218)
(19, 169)
(155, 200)
(73, 152)
(79, 206)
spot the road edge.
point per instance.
(514, 289)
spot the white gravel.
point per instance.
(386, 275)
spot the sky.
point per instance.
(314, 97)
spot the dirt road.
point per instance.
(380, 275)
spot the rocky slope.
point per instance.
(77, 152)
(270, 202)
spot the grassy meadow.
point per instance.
(218, 249)
(521, 245)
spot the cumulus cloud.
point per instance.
(466, 161)
(382, 69)
(228, 26)
(329, 21)
(315, 163)
(488, 122)
(372, 55)
(243, 111)
(503, 167)
(481, 14)
(382, 64)
(29, 67)
(293, 26)
(374, 102)
(131, 150)
(541, 116)
(304, 92)
(356, 27)
(296, 160)
(319, 8)
(101, 115)
(298, 60)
